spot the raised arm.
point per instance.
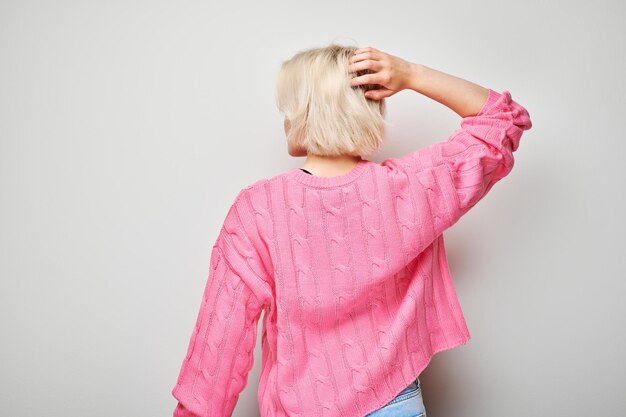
(442, 181)
(393, 74)
(463, 97)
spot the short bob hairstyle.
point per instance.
(328, 116)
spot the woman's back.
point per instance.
(352, 273)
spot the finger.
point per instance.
(367, 64)
(365, 49)
(364, 79)
(362, 56)
(373, 55)
(378, 94)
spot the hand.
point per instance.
(390, 72)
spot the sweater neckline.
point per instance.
(324, 182)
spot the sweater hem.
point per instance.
(419, 367)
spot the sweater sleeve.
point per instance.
(446, 179)
(220, 351)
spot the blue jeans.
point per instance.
(408, 403)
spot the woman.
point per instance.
(345, 255)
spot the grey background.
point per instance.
(127, 129)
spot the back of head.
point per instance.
(328, 116)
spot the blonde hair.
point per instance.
(327, 115)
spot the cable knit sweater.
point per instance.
(352, 275)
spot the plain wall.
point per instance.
(127, 129)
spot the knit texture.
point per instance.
(351, 272)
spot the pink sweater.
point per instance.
(352, 275)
